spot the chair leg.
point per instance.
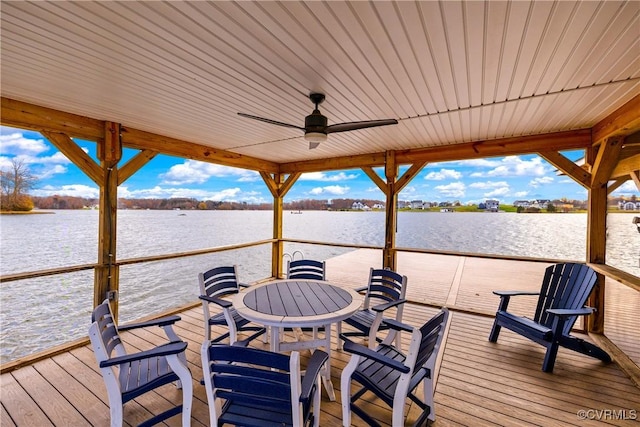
(495, 331)
(338, 332)
(550, 357)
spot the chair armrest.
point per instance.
(398, 326)
(382, 307)
(221, 302)
(366, 352)
(164, 321)
(318, 359)
(514, 293)
(244, 285)
(565, 312)
(162, 350)
(361, 289)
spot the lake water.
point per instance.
(36, 314)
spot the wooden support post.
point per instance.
(596, 246)
(277, 251)
(391, 212)
(278, 186)
(106, 282)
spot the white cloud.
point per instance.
(455, 189)
(322, 176)
(195, 172)
(493, 188)
(488, 184)
(443, 174)
(484, 163)
(51, 171)
(498, 192)
(537, 182)
(627, 189)
(15, 143)
(515, 166)
(73, 190)
(521, 193)
(159, 192)
(335, 190)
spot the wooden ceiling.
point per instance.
(451, 72)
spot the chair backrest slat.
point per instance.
(565, 286)
(384, 286)
(431, 333)
(219, 281)
(307, 269)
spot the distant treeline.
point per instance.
(68, 202)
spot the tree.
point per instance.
(15, 183)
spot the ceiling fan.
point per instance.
(315, 125)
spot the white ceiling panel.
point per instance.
(449, 71)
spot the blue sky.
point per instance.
(472, 181)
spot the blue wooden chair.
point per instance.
(216, 284)
(128, 376)
(386, 290)
(306, 269)
(257, 388)
(393, 376)
(564, 292)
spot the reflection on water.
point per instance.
(39, 313)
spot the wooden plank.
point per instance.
(93, 409)
(22, 409)
(50, 401)
(5, 418)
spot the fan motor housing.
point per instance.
(315, 122)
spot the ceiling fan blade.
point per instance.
(273, 122)
(343, 127)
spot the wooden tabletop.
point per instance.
(293, 303)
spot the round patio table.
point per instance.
(294, 303)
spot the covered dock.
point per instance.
(463, 80)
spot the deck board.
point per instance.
(479, 383)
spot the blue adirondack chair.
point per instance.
(392, 375)
(562, 298)
(257, 388)
(306, 269)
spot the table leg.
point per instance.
(326, 372)
(274, 344)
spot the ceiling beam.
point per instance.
(626, 166)
(23, 115)
(624, 121)
(558, 141)
(141, 140)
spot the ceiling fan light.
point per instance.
(315, 137)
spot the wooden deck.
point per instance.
(479, 383)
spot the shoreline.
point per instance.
(25, 213)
